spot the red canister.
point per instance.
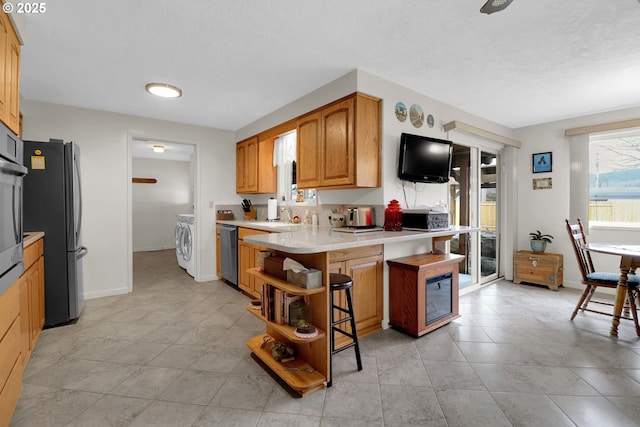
(393, 216)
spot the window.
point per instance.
(284, 156)
(614, 179)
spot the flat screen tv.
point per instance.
(424, 159)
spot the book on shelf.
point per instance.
(275, 303)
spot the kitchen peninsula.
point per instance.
(309, 239)
(358, 255)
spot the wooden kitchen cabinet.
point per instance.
(31, 284)
(9, 74)
(339, 144)
(308, 150)
(5, 23)
(248, 258)
(365, 267)
(338, 147)
(337, 157)
(247, 165)
(36, 300)
(11, 344)
(542, 269)
(21, 320)
(25, 319)
(255, 172)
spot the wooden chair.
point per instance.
(592, 279)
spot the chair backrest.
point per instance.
(578, 240)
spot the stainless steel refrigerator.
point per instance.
(52, 202)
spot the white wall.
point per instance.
(390, 93)
(155, 206)
(105, 166)
(546, 210)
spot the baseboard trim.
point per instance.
(105, 293)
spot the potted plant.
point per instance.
(539, 241)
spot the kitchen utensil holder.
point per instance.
(252, 214)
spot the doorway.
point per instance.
(162, 187)
(474, 200)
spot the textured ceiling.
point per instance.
(536, 61)
(143, 148)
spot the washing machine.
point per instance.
(186, 243)
(178, 236)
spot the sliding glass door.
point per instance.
(488, 221)
(474, 201)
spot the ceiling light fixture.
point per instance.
(495, 6)
(158, 148)
(164, 90)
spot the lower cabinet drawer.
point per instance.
(9, 307)
(32, 253)
(10, 394)
(9, 351)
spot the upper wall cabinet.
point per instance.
(308, 150)
(9, 74)
(339, 145)
(255, 172)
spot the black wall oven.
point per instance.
(11, 177)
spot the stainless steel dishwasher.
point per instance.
(229, 253)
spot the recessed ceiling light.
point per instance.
(158, 148)
(164, 90)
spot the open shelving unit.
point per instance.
(285, 286)
(310, 368)
(300, 380)
(286, 330)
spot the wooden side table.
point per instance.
(423, 292)
(539, 268)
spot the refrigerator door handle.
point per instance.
(17, 213)
(77, 172)
(82, 252)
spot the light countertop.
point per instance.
(306, 239)
(31, 237)
(273, 227)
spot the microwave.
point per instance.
(12, 172)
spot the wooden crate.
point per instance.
(542, 269)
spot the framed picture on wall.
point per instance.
(542, 162)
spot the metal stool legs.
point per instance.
(342, 282)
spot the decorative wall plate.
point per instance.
(416, 115)
(401, 112)
(430, 120)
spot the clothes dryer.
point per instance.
(187, 243)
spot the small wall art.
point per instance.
(401, 112)
(416, 115)
(542, 184)
(542, 162)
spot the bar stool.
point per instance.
(339, 282)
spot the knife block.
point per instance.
(252, 214)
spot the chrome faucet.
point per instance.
(286, 215)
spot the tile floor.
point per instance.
(172, 353)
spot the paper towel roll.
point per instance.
(272, 209)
